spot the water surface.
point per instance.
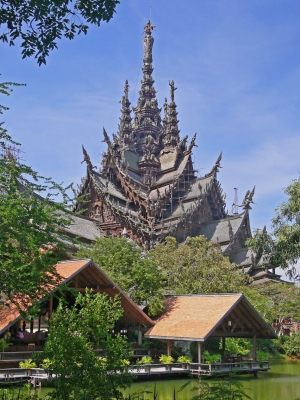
(282, 382)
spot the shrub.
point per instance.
(145, 360)
(4, 345)
(262, 355)
(27, 364)
(166, 359)
(238, 346)
(292, 345)
(184, 359)
(210, 358)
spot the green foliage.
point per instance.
(292, 345)
(284, 302)
(29, 363)
(74, 334)
(237, 346)
(184, 359)
(260, 302)
(144, 360)
(130, 268)
(39, 24)
(197, 266)
(4, 344)
(47, 364)
(17, 394)
(226, 389)
(164, 359)
(281, 247)
(262, 355)
(211, 358)
(29, 225)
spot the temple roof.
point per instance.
(219, 231)
(83, 227)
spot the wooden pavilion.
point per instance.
(198, 317)
(78, 275)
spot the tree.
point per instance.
(291, 346)
(30, 225)
(197, 266)
(284, 300)
(69, 353)
(282, 247)
(40, 23)
(130, 268)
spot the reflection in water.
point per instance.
(282, 382)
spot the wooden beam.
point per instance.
(169, 347)
(99, 288)
(254, 347)
(50, 307)
(199, 352)
(223, 347)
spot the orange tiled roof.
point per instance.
(192, 317)
(67, 269)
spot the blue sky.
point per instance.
(236, 65)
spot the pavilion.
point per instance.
(198, 317)
(78, 275)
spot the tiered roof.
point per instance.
(147, 186)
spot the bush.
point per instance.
(237, 346)
(262, 355)
(166, 359)
(184, 359)
(145, 360)
(27, 364)
(292, 345)
(4, 345)
(211, 358)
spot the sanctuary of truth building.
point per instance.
(147, 187)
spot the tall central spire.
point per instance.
(147, 120)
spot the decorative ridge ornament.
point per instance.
(148, 27)
(87, 159)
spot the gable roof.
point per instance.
(196, 317)
(79, 275)
(218, 231)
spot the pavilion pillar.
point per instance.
(254, 347)
(50, 307)
(169, 347)
(199, 352)
(140, 337)
(223, 348)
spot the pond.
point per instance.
(282, 382)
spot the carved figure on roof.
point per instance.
(148, 42)
(217, 165)
(182, 143)
(192, 143)
(86, 158)
(248, 199)
(148, 27)
(126, 89)
(106, 138)
(172, 90)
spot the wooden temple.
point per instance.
(147, 187)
